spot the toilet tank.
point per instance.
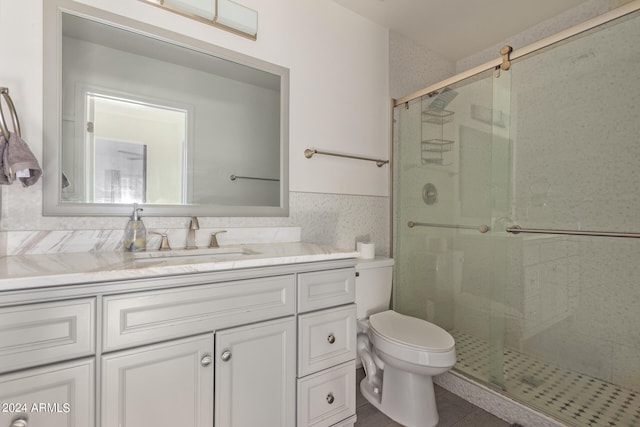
(373, 285)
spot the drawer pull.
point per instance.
(19, 422)
(206, 360)
(225, 356)
(330, 398)
(331, 338)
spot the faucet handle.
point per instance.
(164, 243)
(213, 243)
(193, 225)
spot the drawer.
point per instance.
(326, 338)
(328, 397)
(153, 316)
(322, 289)
(36, 334)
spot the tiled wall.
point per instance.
(329, 219)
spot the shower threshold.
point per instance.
(573, 398)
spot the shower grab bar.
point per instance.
(308, 153)
(234, 177)
(481, 228)
(516, 229)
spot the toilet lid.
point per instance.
(411, 331)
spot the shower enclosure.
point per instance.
(551, 316)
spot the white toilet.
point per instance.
(399, 353)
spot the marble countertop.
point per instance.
(31, 271)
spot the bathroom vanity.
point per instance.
(265, 338)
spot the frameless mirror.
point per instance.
(138, 114)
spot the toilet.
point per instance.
(400, 354)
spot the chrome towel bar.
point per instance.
(516, 229)
(481, 228)
(234, 177)
(308, 153)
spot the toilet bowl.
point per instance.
(399, 353)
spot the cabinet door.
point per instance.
(255, 375)
(60, 395)
(163, 385)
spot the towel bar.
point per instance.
(308, 153)
(516, 229)
(234, 177)
(481, 228)
(12, 110)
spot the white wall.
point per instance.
(339, 97)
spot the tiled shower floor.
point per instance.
(570, 397)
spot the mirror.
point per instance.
(138, 114)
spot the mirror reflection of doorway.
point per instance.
(121, 173)
(136, 151)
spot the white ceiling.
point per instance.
(458, 28)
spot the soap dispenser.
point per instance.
(135, 234)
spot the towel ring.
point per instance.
(12, 110)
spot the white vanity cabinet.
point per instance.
(252, 366)
(271, 346)
(326, 348)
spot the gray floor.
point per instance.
(453, 411)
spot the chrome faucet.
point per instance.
(191, 233)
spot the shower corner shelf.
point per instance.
(438, 117)
(432, 150)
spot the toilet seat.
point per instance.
(411, 339)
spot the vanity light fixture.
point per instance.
(201, 8)
(236, 18)
(225, 14)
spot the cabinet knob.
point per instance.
(330, 398)
(19, 422)
(206, 360)
(331, 338)
(225, 356)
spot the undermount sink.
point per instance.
(198, 255)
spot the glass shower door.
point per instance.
(575, 348)
(451, 184)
